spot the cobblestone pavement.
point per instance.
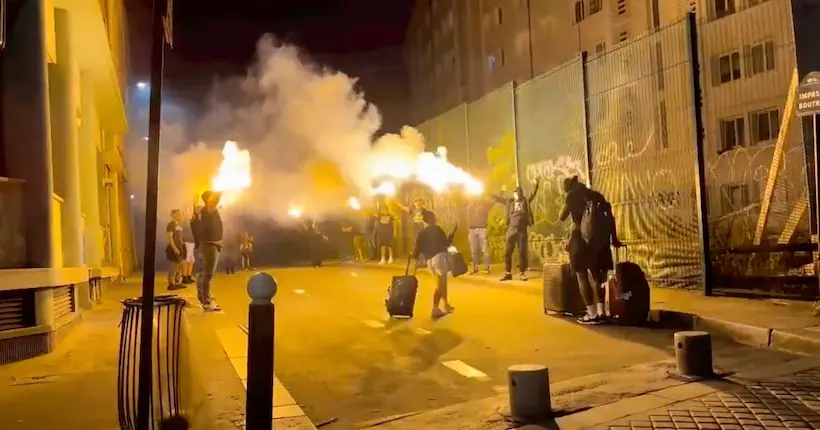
(791, 402)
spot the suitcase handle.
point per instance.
(407, 269)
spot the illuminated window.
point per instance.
(732, 133)
(765, 125)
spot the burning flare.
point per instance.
(431, 169)
(234, 174)
(295, 212)
(385, 189)
(354, 203)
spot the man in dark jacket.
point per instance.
(519, 219)
(207, 230)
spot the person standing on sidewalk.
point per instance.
(175, 250)
(246, 249)
(208, 234)
(519, 219)
(590, 258)
(478, 212)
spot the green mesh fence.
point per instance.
(551, 146)
(492, 153)
(643, 151)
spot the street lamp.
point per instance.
(142, 85)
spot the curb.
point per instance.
(763, 337)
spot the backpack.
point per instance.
(595, 223)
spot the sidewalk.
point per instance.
(75, 387)
(786, 325)
(777, 396)
(785, 396)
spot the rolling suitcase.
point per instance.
(561, 292)
(627, 292)
(456, 263)
(401, 295)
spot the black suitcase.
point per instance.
(561, 292)
(401, 296)
(456, 264)
(628, 294)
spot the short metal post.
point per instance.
(261, 312)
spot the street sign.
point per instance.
(808, 95)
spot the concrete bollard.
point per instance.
(529, 386)
(261, 313)
(693, 353)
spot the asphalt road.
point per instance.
(341, 357)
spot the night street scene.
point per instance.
(409, 214)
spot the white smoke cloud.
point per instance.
(309, 130)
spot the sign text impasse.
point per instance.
(808, 95)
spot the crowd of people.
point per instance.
(200, 244)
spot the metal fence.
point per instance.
(625, 121)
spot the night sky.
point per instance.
(218, 37)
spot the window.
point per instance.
(595, 6)
(659, 65)
(760, 58)
(503, 58)
(724, 8)
(732, 134)
(735, 197)
(765, 125)
(499, 16)
(621, 7)
(600, 48)
(579, 11)
(622, 37)
(491, 60)
(656, 14)
(729, 67)
(664, 125)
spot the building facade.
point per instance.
(64, 217)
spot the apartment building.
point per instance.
(64, 220)
(749, 52)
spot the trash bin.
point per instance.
(166, 351)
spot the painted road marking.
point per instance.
(465, 370)
(300, 292)
(373, 324)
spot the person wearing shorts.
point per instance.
(384, 234)
(187, 267)
(434, 243)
